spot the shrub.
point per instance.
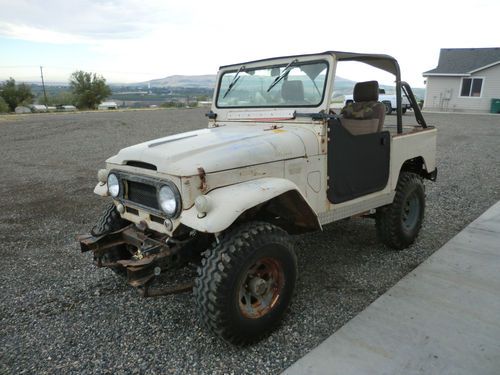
(4, 107)
(15, 95)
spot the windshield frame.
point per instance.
(280, 64)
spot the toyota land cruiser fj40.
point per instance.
(274, 161)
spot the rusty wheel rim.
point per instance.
(261, 288)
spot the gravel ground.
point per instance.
(59, 314)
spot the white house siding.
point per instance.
(442, 93)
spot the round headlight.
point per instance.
(167, 200)
(113, 185)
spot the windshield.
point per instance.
(292, 84)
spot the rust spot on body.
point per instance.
(203, 179)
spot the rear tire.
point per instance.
(404, 110)
(388, 108)
(398, 224)
(246, 281)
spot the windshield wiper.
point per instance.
(235, 79)
(283, 74)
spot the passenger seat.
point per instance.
(366, 115)
(293, 92)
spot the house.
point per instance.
(465, 80)
(204, 104)
(38, 108)
(107, 106)
(65, 108)
(22, 109)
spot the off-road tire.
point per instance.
(108, 222)
(399, 223)
(388, 108)
(223, 273)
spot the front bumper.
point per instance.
(150, 253)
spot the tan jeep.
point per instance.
(274, 161)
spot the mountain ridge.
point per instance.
(343, 86)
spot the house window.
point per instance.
(471, 87)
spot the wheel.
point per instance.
(404, 110)
(388, 108)
(111, 221)
(399, 223)
(246, 281)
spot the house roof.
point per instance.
(464, 61)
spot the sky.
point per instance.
(130, 41)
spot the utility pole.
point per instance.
(43, 85)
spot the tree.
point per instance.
(63, 97)
(89, 89)
(4, 107)
(15, 95)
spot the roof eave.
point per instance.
(484, 67)
(446, 74)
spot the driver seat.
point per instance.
(366, 114)
(292, 92)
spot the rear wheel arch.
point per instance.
(418, 166)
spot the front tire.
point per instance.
(111, 221)
(246, 281)
(398, 224)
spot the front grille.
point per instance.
(157, 219)
(133, 211)
(142, 194)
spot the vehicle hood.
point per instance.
(221, 148)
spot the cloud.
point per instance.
(131, 40)
(34, 34)
(86, 20)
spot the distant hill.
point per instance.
(343, 86)
(199, 81)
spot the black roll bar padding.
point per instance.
(399, 109)
(399, 102)
(413, 101)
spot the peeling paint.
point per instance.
(203, 179)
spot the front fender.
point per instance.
(229, 202)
